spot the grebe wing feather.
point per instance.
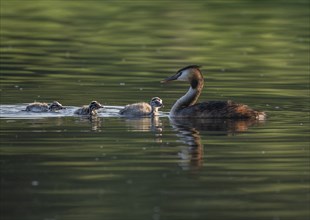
(136, 109)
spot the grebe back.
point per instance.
(90, 109)
(142, 108)
(44, 107)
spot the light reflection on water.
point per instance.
(61, 166)
(18, 111)
(149, 164)
(187, 130)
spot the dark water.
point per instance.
(60, 166)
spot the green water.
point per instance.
(117, 52)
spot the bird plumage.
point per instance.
(186, 105)
(90, 109)
(142, 108)
(44, 107)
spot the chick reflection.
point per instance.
(93, 120)
(189, 133)
(146, 124)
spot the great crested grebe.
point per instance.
(90, 109)
(142, 108)
(186, 107)
(44, 107)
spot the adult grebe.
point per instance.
(142, 108)
(186, 107)
(90, 109)
(44, 107)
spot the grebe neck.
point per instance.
(154, 110)
(190, 98)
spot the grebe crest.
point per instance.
(90, 109)
(142, 108)
(44, 107)
(186, 105)
(187, 73)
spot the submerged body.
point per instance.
(218, 109)
(186, 106)
(90, 109)
(44, 107)
(142, 108)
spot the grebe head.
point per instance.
(55, 106)
(94, 105)
(156, 102)
(187, 73)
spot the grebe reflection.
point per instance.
(189, 133)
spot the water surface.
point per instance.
(60, 166)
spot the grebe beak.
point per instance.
(160, 104)
(171, 78)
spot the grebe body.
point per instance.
(142, 108)
(186, 106)
(44, 107)
(90, 109)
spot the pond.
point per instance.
(61, 166)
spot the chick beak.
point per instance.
(160, 105)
